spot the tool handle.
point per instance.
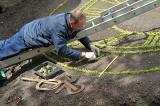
(29, 79)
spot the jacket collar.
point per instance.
(68, 24)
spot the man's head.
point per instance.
(77, 20)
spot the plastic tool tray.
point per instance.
(47, 69)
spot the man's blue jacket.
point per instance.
(54, 30)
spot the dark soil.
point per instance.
(109, 90)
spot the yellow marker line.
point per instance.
(107, 66)
(60, 5)
(95, 9)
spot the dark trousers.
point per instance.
(13, 45)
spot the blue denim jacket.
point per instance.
(54, 30)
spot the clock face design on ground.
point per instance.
(134, 37)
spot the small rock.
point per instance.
(2, 10)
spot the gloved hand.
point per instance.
(94, 49)
(90, 55)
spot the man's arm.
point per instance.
(86, 42)
(89, 45)
(60, 44)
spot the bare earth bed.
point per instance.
(135, 89)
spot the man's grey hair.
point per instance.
(77, 15)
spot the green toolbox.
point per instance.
(2, 75)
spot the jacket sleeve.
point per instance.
(85, 41)
(60, 44)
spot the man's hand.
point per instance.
(89, 55)
(94, 49)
